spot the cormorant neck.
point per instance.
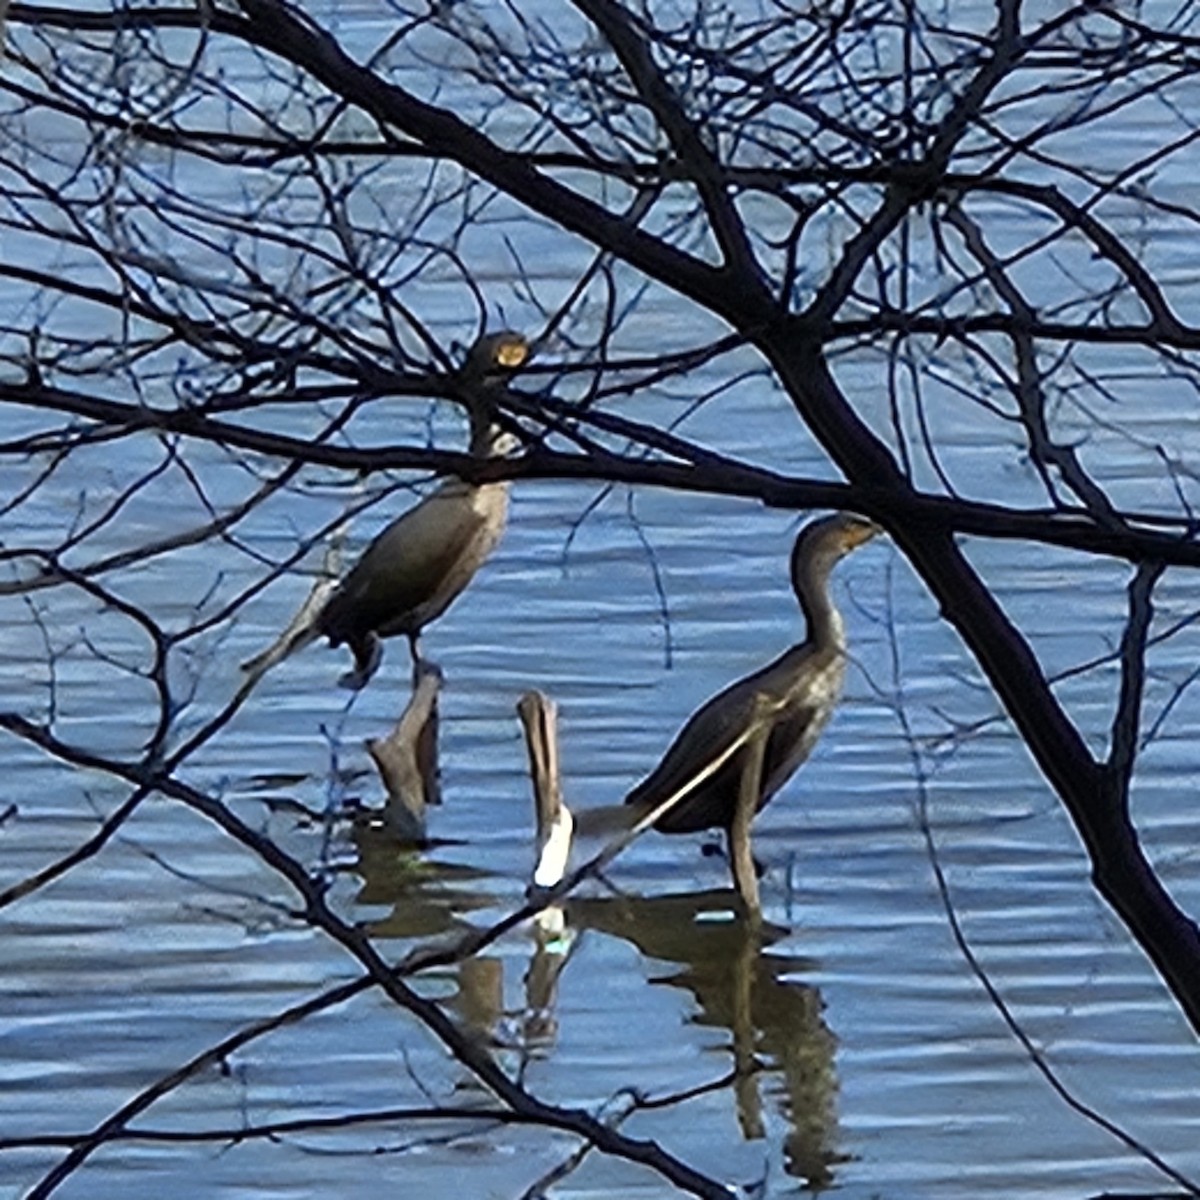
(488, 440)
(826, 629)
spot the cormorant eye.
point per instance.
(511, 354)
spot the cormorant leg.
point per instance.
(742, 863)
(414, 651)
(741, 859)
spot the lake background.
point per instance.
(884, 1068)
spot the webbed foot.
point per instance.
(368, 653)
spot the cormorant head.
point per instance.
(823, 542)
(490, 363)
(496, 357)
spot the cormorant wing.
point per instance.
(711, 731)
(411, 563)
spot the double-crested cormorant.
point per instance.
(742, 746)
(413, 571)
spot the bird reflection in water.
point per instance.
(428, 897)
(776, 1023)
(425, 895)
(778, 1038)
(781, 1048)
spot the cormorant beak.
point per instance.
(862, 530)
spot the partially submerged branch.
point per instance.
(539, 719)
(407, 759)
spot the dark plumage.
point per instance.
(794, 697)
(415, 569)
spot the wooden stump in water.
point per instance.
(406, 758)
